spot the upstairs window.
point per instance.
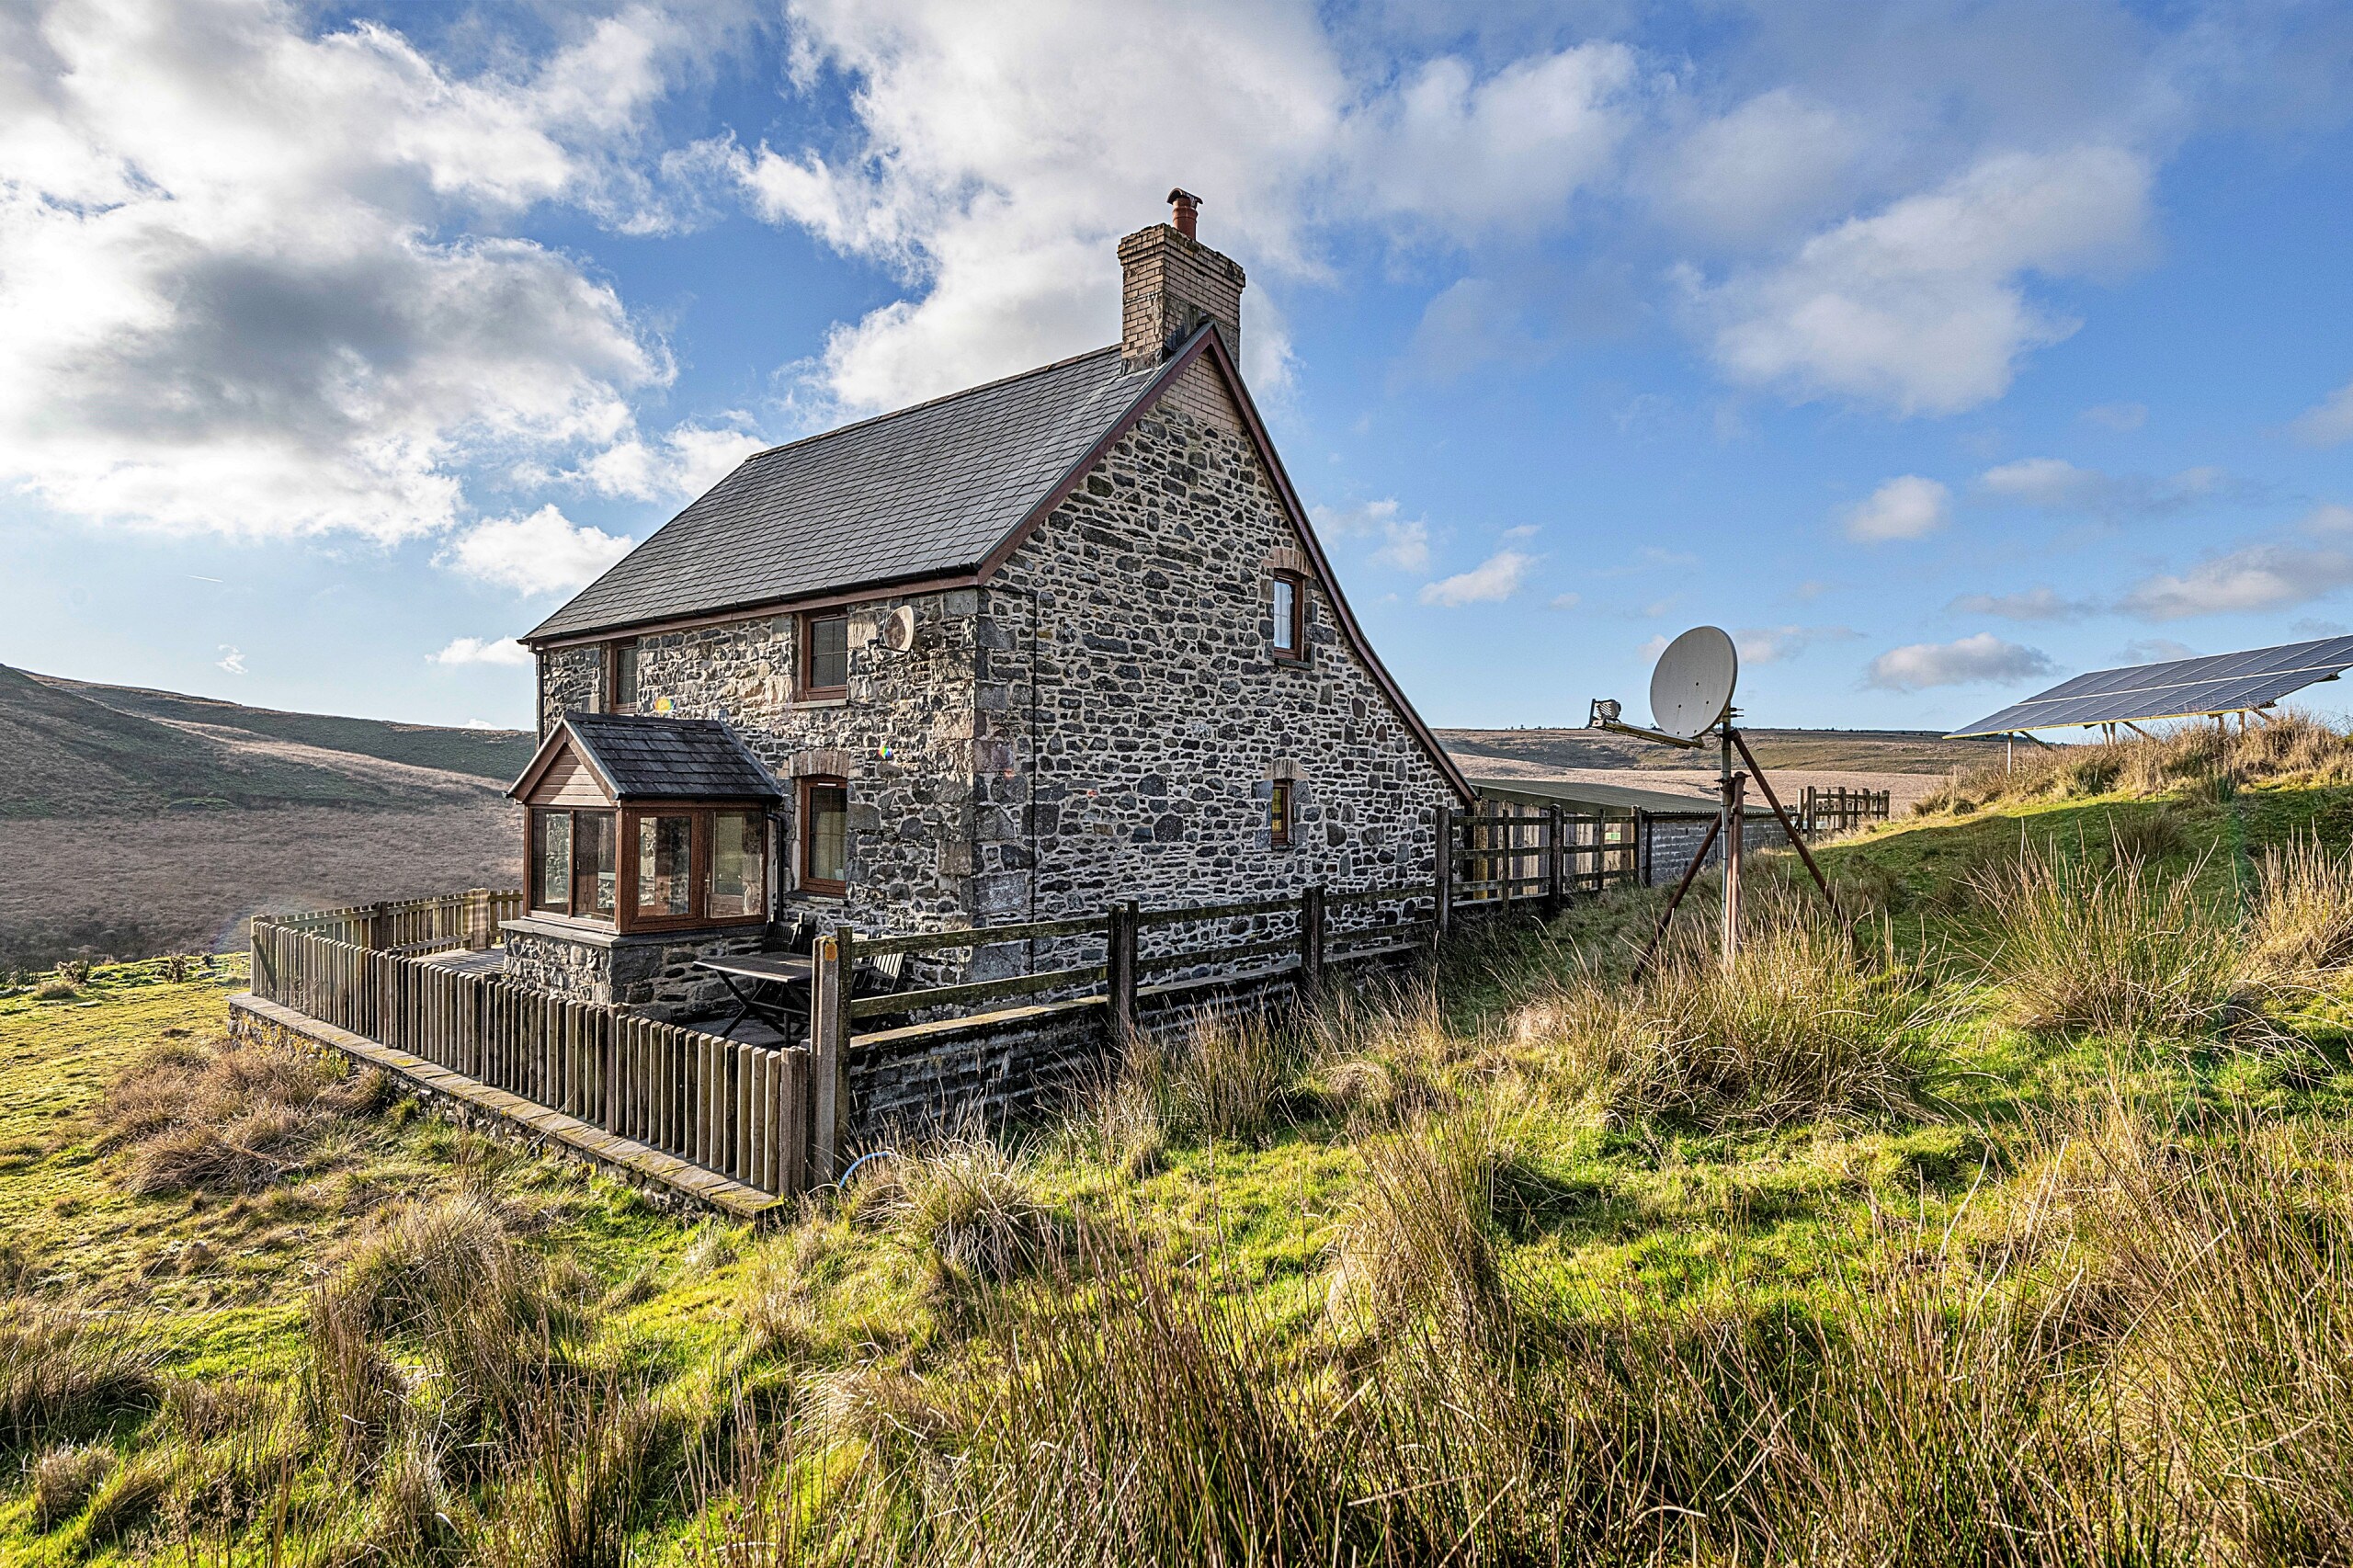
(824, 654)
(621, 676)
(825, 836)
(1290, 616)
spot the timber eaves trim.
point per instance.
(559, 739)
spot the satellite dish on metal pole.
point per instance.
(1691, 692)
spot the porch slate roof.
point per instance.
(926, 491)
(644, 757)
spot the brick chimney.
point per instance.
(1170, 283)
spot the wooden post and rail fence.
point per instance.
(1823, 812)
(777, 1119)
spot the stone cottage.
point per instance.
(1011, 655)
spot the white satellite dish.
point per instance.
(1692, 686)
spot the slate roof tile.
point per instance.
(655, 758)
(924, 491)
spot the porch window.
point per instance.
(825, 836)
(824, 654)
(572, 863)
(738, 864)
(594, 864)
(666, 865)
(621, 676)
(551, 861)
(1290, 618)
(1279, 815)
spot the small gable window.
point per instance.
(824, 654)
(1279, 813)
(1290, 616)
(621, 676)
(825, 836)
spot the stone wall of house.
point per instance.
(653, 974)
(904, 735)
(1154, 714)
(572, 680)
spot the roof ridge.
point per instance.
(931, 402)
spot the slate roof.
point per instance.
(922, 493)
(646, 758)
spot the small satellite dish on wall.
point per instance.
(898, 629)
(1692, 686)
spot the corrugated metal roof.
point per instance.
(922, 493)
(1614, 797)
(644, 757)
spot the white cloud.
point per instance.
(542, 552)
(1968, 662)
(1905, 508)
(1000, 153)
(1567, 601)
(1776, 159)
(238, 289)
(1405, 541)
(2035, 603)
(1922, 307)
(679, 465)
(482, 651)
(2122, 416)
(2153, 650)
(1772, 644)
(2261, 576)
(1491, 582)
(231, 660)
(2056, 486)
(2329, 422)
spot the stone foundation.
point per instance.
(650, 973)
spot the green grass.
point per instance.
(1422, 1280)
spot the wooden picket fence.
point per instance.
(742, 1111)
(1508, 858)
(1823, 812)
(469, 919)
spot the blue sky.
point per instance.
(1937, 351)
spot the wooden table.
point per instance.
(750, 974)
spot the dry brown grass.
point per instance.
(2115, 948)
(2292, 749)
(65, 1477)
(228, 1115)
(2300, 928)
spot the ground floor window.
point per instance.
(1279, 813)
(572, 863)
(666, 866)
(825, 836)
(738, 864)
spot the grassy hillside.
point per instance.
(2010, 1221)
(63, 756)
(497, 754)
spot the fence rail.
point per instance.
(739, 1110)
(1823, 812)
(469, 919)
(1505, 856)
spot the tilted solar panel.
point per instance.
(2178, 689)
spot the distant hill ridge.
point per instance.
(1820, 751)
(76, 748)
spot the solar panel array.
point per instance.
(2178, 688)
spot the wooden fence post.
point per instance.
(1311, 944)
(829, 1052)
(1444, 868)
(1119, 972)
(1556, 851)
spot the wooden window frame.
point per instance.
(804, 840)
(1297, 652)
(569, 909)
(612, 703)
(1281, 806)
(700, 815)
(804, 690)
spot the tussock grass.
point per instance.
(1801, 1026)
(1229, 1075)
(228, 1115)
(2115, 948)
(2294, 749)
(971, 1201)
(65, 1477)
(1420, 1240)
(2300, 928)
(63, 1367)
